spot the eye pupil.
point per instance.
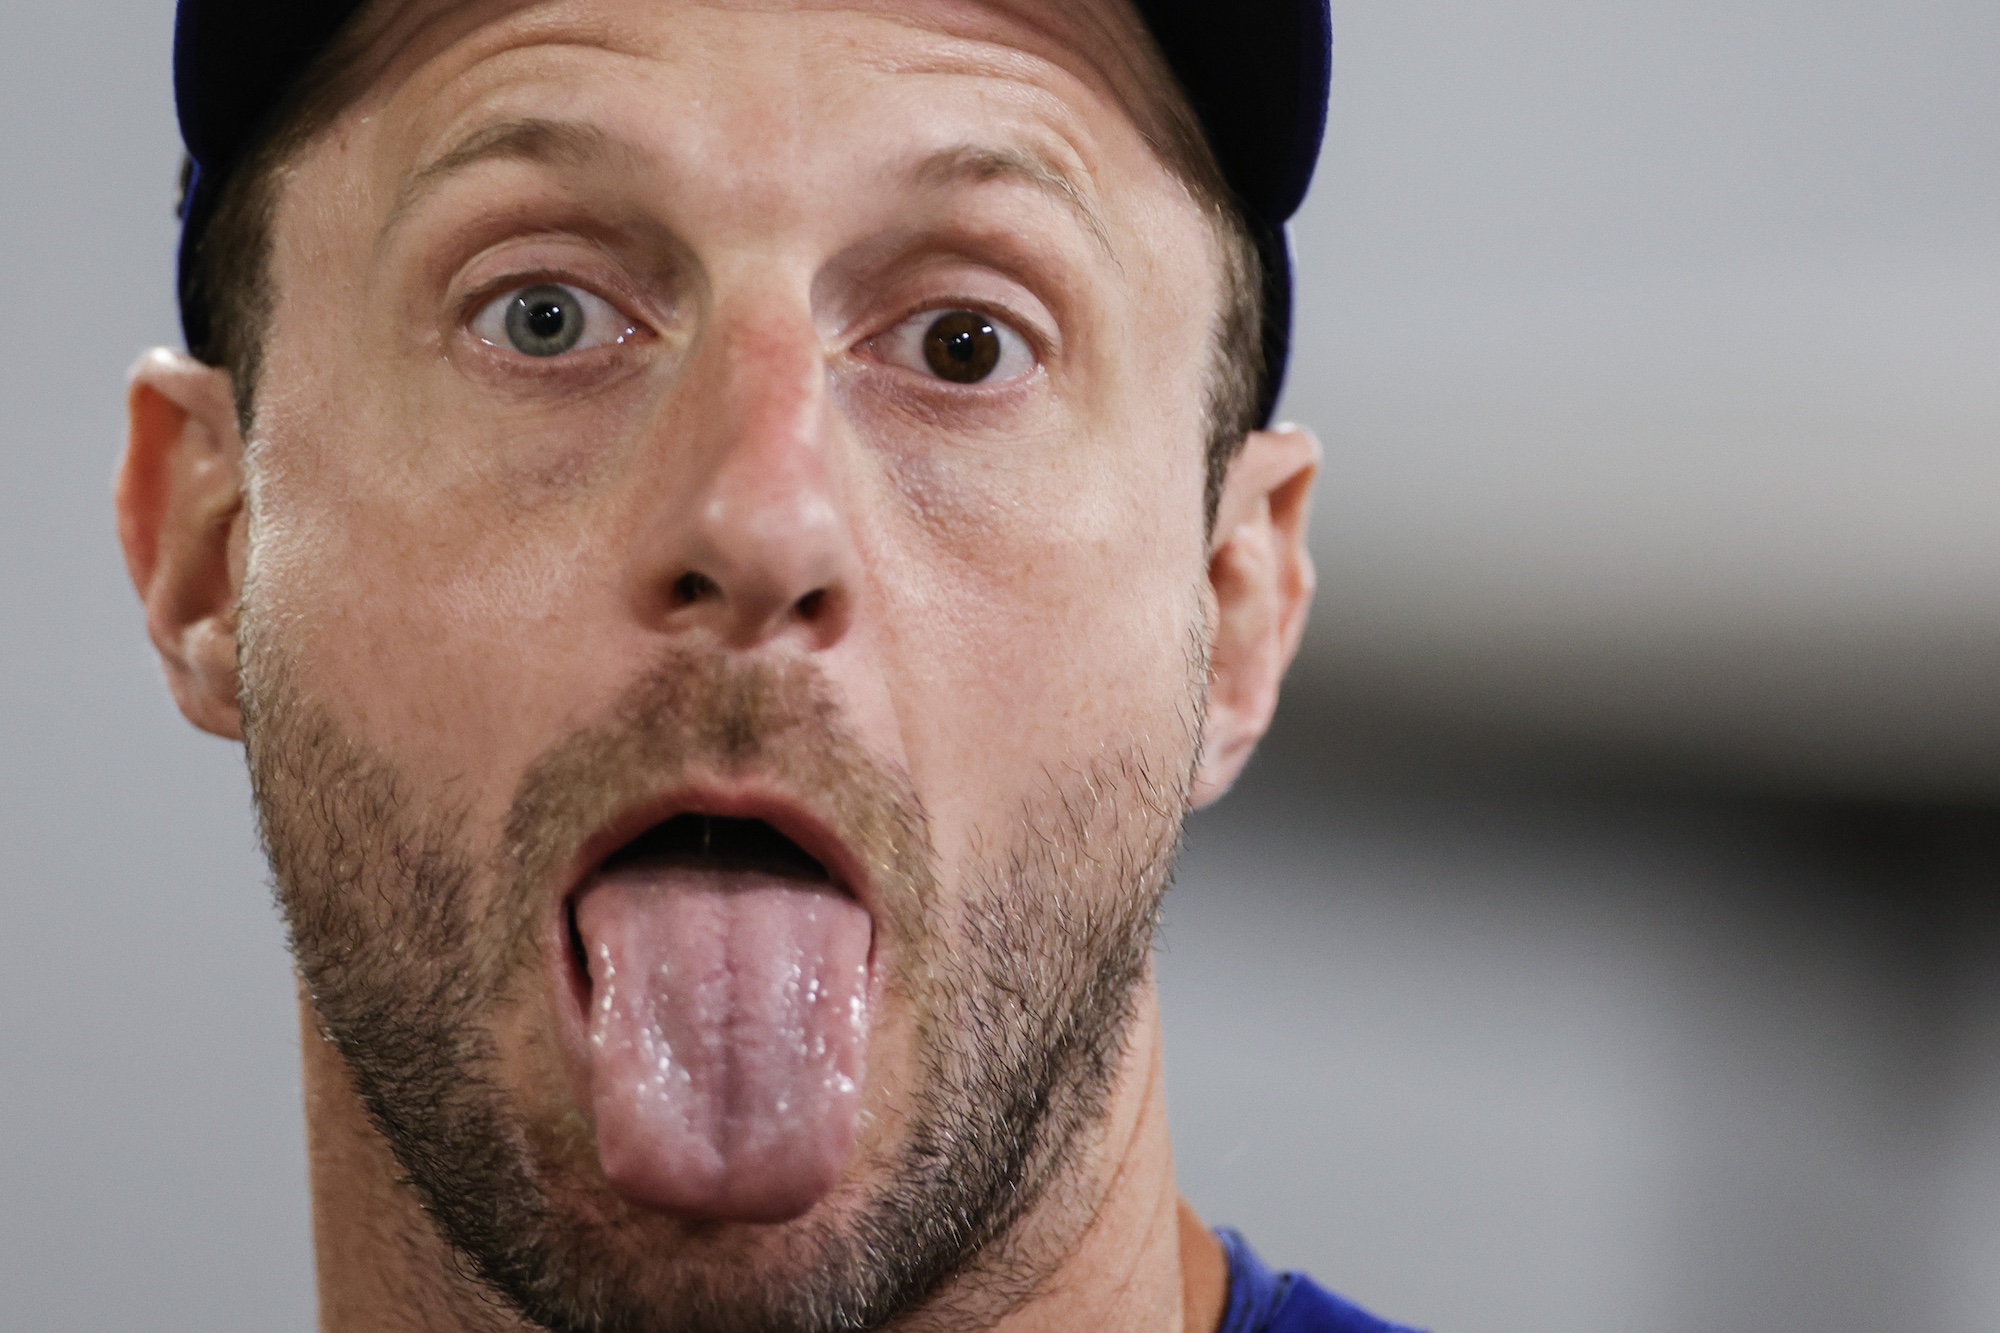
(962, 347)
(545, 321)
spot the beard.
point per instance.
(417, 948)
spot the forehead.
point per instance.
(1087, 67)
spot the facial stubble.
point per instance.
(1023, 992)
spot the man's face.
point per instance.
(724, 631)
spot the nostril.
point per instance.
(692, 587)
(812, 604)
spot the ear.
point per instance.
(179, 496)
(1261, 574)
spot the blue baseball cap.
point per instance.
(1256, 71)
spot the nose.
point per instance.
(756, 546)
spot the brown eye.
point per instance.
(956, 346)
(962, 347)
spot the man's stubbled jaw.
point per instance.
(792, 984)
(441, 971)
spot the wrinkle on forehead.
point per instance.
(1101, 44)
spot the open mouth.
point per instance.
(714, 848)
(719, 843)
(725, 975)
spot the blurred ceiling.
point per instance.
(1657, 354)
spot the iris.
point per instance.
(545, 321)
(962, 347)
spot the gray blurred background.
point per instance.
(1607, 940)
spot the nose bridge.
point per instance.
(772, 381)
(762, 547)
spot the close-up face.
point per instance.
(724, 572)
(725, 631)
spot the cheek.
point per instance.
(1038, 616)
(440, 625)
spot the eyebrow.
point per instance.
(978, 163)
(565, 143)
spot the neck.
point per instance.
(1141, 1261)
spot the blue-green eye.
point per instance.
(549, 320)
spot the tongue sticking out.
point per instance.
(728, 1030)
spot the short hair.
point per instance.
(230, 272)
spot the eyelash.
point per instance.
(1025, 342)
(493, 296)
(920, 320)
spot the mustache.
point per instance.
(697, 714)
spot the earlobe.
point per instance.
(179, 497)
(1261, 577)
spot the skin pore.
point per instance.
(440, 561)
